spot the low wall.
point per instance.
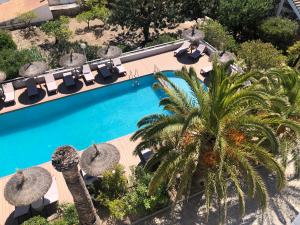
(126, 57)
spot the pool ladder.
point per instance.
(133, 77)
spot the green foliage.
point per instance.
(137, 202)
(58, 29)
(163, 38)
(11, 60)
(59, 222)
(242, 16)
(96, 12)
(257, 55)
(27, 18)
(113, 185)
(69, 214)
(37, 220)
(194, 9)
(144, 14)
(6, 41)
(294, 54)
(279, 31)
(218, 37)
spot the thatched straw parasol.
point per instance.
(98, 158)
(109, 52)
(27, 186)
(33, 69)
(72, 60)
(2, 76)
(193, 35)
(227, 57)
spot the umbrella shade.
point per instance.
(109, 52)
(72, 60)
(2, 76)
(193, 35)
(98, 158)
(227, 57)
(33, 69)
(27, 186)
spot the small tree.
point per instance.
(27, 18)
(144, 14)
(217, 36)
(58, 29)
(257, 55)
(86, 17)
(242, 16)
(279, 31)
(6, 41)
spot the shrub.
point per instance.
(137, 202)
(69, 214)
(293, 54)
(257, 55)
(37, 220)
(59, 222)
(217, 36)
(279, 31)
(164, 38)
(11, 60)
(6, 41)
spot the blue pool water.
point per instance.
(29, 136)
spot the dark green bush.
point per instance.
(6, 41)
(37, 220)
(11, 60)
(217, 36)
(164, 38)
(293, 53)
(279, 31)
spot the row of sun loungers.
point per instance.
(8, 91)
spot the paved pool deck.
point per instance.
(165, 61)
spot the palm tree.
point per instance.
(284, 86)
(65, 159)
(215, 137)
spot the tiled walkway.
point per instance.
(144, 66)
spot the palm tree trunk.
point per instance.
(82, 199)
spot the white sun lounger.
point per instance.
(31, 87)
(68, 79)
(198, 52)
(52, 194)
(104, 71)
(296, 220)
(21, 211)
(182, 49)
(50, 82)
(87, 73)
(8, 92)
(118, 65)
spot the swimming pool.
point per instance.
(29, 136)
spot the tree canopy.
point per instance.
(243, 16)
(144, 14)
(58, 29)
(257, 55)
(279, 31)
